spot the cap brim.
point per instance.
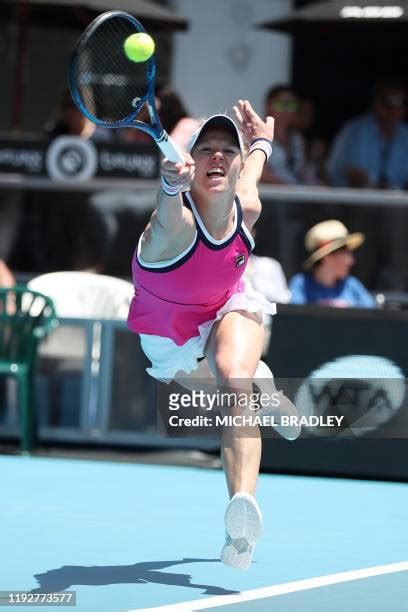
(218, 121)
(352, 241)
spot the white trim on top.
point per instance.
(164, 263)
(248, 235)
(204, 229)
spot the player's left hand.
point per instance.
(251, 124)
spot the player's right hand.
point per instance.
(179, 173)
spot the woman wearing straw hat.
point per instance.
(327, 280)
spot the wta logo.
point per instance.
(367, 390)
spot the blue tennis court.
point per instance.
(140, 537)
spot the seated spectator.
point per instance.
(316, 149)
(69, 230)
(10, 223)
(306, 116)
(372, 150)
(6, 276)
(132, 135)
(266, 275)
(6, 280)
(174, 116)
(70, 121)
(286, 164)
(327, 280)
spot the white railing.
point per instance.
(316, 195)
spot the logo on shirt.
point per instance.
(240, 260)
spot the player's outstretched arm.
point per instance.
(175, 178)
(170, 218)
(259, 136)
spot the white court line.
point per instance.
(279, 589)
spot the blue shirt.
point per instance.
(360, 144)
(347, 292)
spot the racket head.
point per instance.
(106, 86)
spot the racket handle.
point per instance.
(169, 148)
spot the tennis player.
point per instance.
(191, 302)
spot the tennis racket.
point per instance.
(109, 88)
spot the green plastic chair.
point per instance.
(25, 318)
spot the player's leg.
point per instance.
(233, 352)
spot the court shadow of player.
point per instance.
(139, 573)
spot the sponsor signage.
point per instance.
(371, 12)
(68, 158)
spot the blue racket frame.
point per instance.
(155, 130)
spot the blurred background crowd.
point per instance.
(305, 253)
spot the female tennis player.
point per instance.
(191, 302)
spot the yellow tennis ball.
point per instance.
(139, 47)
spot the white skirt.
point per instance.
(168, 358)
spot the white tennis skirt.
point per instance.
(168, 358)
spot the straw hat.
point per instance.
(328, 236)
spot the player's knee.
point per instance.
(233, 374)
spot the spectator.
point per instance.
(70, 230)
(305, 117)
(10, 223)
(266, 275)
(70, 121)
(6, 280)
(286, 164)
(132, 135)
(372, 150)
(315, 172)
(6, 276)
(327, 280)
(173, 116)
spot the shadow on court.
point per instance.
(139, 573)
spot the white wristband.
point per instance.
(170, 190)
(261, 144)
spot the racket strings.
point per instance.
(111, 86)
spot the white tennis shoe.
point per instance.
(264, 382)
(243, 528)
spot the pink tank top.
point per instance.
(174, 297)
